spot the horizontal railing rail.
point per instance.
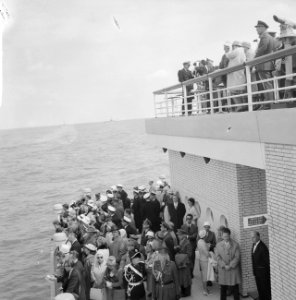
(209, 97)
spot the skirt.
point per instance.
(203, 270)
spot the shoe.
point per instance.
(209, 283)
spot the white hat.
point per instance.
(202, 233)
(159, 183)
(103, 198)
(227, 44)
(84, 219)
(119, 185)
(127, 219)
(122, 233)
(58, 208)
(146, 196)
(65, 248)
(110, 195)
(90, 247)
(162, 177)
(153, 192)
(206, 223)
(142, 188)
(87, 190)
(92, 204)
(150, 233)
(111, 208)
(113, 188)
(64, 296)
(237, 43)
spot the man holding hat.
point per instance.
(126, 223)
(264, 70)
(184, 75)
(210, 236)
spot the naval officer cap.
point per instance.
(127, 219)
(261, 24)
(111, 208)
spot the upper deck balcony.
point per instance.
(229, 123)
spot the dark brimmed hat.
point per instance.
(261, 24)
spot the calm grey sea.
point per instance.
(43, 166)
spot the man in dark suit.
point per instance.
(191, 231)
(176, 211)
(261, 269)
(75, 245)
(264, 70)
(184, 75)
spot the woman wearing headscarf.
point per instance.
(165, 277)
(113, 280)
(98, 272)
(204, 255)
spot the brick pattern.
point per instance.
(281, 195)
(227, 189)
(252, 201)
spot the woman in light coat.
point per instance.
(204, 255)
(236, 79)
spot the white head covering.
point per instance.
(99, 270)
(122, 233)
(202, 233)
(64, 296)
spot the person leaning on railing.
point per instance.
(184, 75)
(264, 70)
(236, 79)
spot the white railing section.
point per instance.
(209, 97)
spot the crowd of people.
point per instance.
(112, 246)
(234, 83)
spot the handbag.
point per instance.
(181, 260)
(210, 273)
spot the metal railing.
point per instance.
(209, 96)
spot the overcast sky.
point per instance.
(66, 61)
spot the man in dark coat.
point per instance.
(210, 237)
(138, 209)
(72, 282)
(123, 196)
(261, 268)
(176, 211)
(184, 75)
(191, 231)
(75, 245)
(264, 70)
(79, 267)
(152, 210)
(130, 230)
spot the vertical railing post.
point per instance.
(276, 88)
(185, 100)
(211, 94)
(155, 109)
(166, 103)
(249, 88)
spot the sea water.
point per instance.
(40, 167)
